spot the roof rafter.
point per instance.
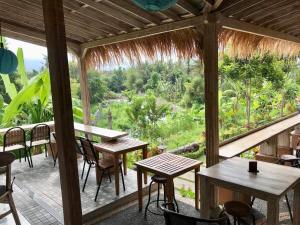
(255, 29)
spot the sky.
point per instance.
(33, 54)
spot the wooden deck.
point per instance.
(254, 139)
(37, 193)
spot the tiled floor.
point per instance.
(37, 192)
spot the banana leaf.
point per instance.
(32, 89)
(21, 67)
(10, 88)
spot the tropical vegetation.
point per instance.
(162, 102)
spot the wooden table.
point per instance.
(245, 143)
(105, 134)
(170, 166)
(270, 184)
(120, 147)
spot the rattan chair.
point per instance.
(14, 140)
(39, 136)
(93, 160)
(174, 218)
(6, 158)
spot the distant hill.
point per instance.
(33, 64)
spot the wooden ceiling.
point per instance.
(278, 15)
(94, 22)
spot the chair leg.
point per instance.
(87, 175)
(20, 155)
(158, 193)
(46, 152)
(53, 156)
(252, 201)
(82, 173)
(28, 153)
(149, 199)
(122, 176)
(289, 207)
(13, 210)
(165, 197)
(175, 200)
(108, 174)
(102, 172)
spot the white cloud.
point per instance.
(31, 51)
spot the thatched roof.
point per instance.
(187, 43)
(183, 43)
(244, 45)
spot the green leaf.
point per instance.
(31, 90)
(21, 67)
(10, 88)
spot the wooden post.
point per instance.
(84, 90)
(210, 42)
(62, 106)
(211, 90)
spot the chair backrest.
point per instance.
(40, 132)
(88, 150)
(78, 145)
(14, 136)
(6, 159)
(174, 218)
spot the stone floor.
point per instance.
(37, 197)
(37, 193)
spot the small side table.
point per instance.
(170, 166)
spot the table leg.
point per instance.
(140, 188)
(170, 192)
(117, 175)
(205, 197)
(98, 173)
(273, 212)
(297, 204)
(197, 188)
(145, 157)
(125, 163)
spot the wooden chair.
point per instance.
(6, 159)
(14, 139)
(39, 135)
(174, 218)
(238, 210)
(80, 152)
(103, 165)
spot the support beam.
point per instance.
(254, 29)
(211, 91)
(62, 106)
(84, 91)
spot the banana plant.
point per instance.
(31, 104)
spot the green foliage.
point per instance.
(21, 67)
(10, 87)
(187, 193)
(97, 87)
(34, 88)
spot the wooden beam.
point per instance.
(135, 10)
(84, 90)
(233, 24)
(114, 13)
(94, 15)
(62, 107)
(178, 25)
(188, 7)
(210, 46)
(35, 36)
